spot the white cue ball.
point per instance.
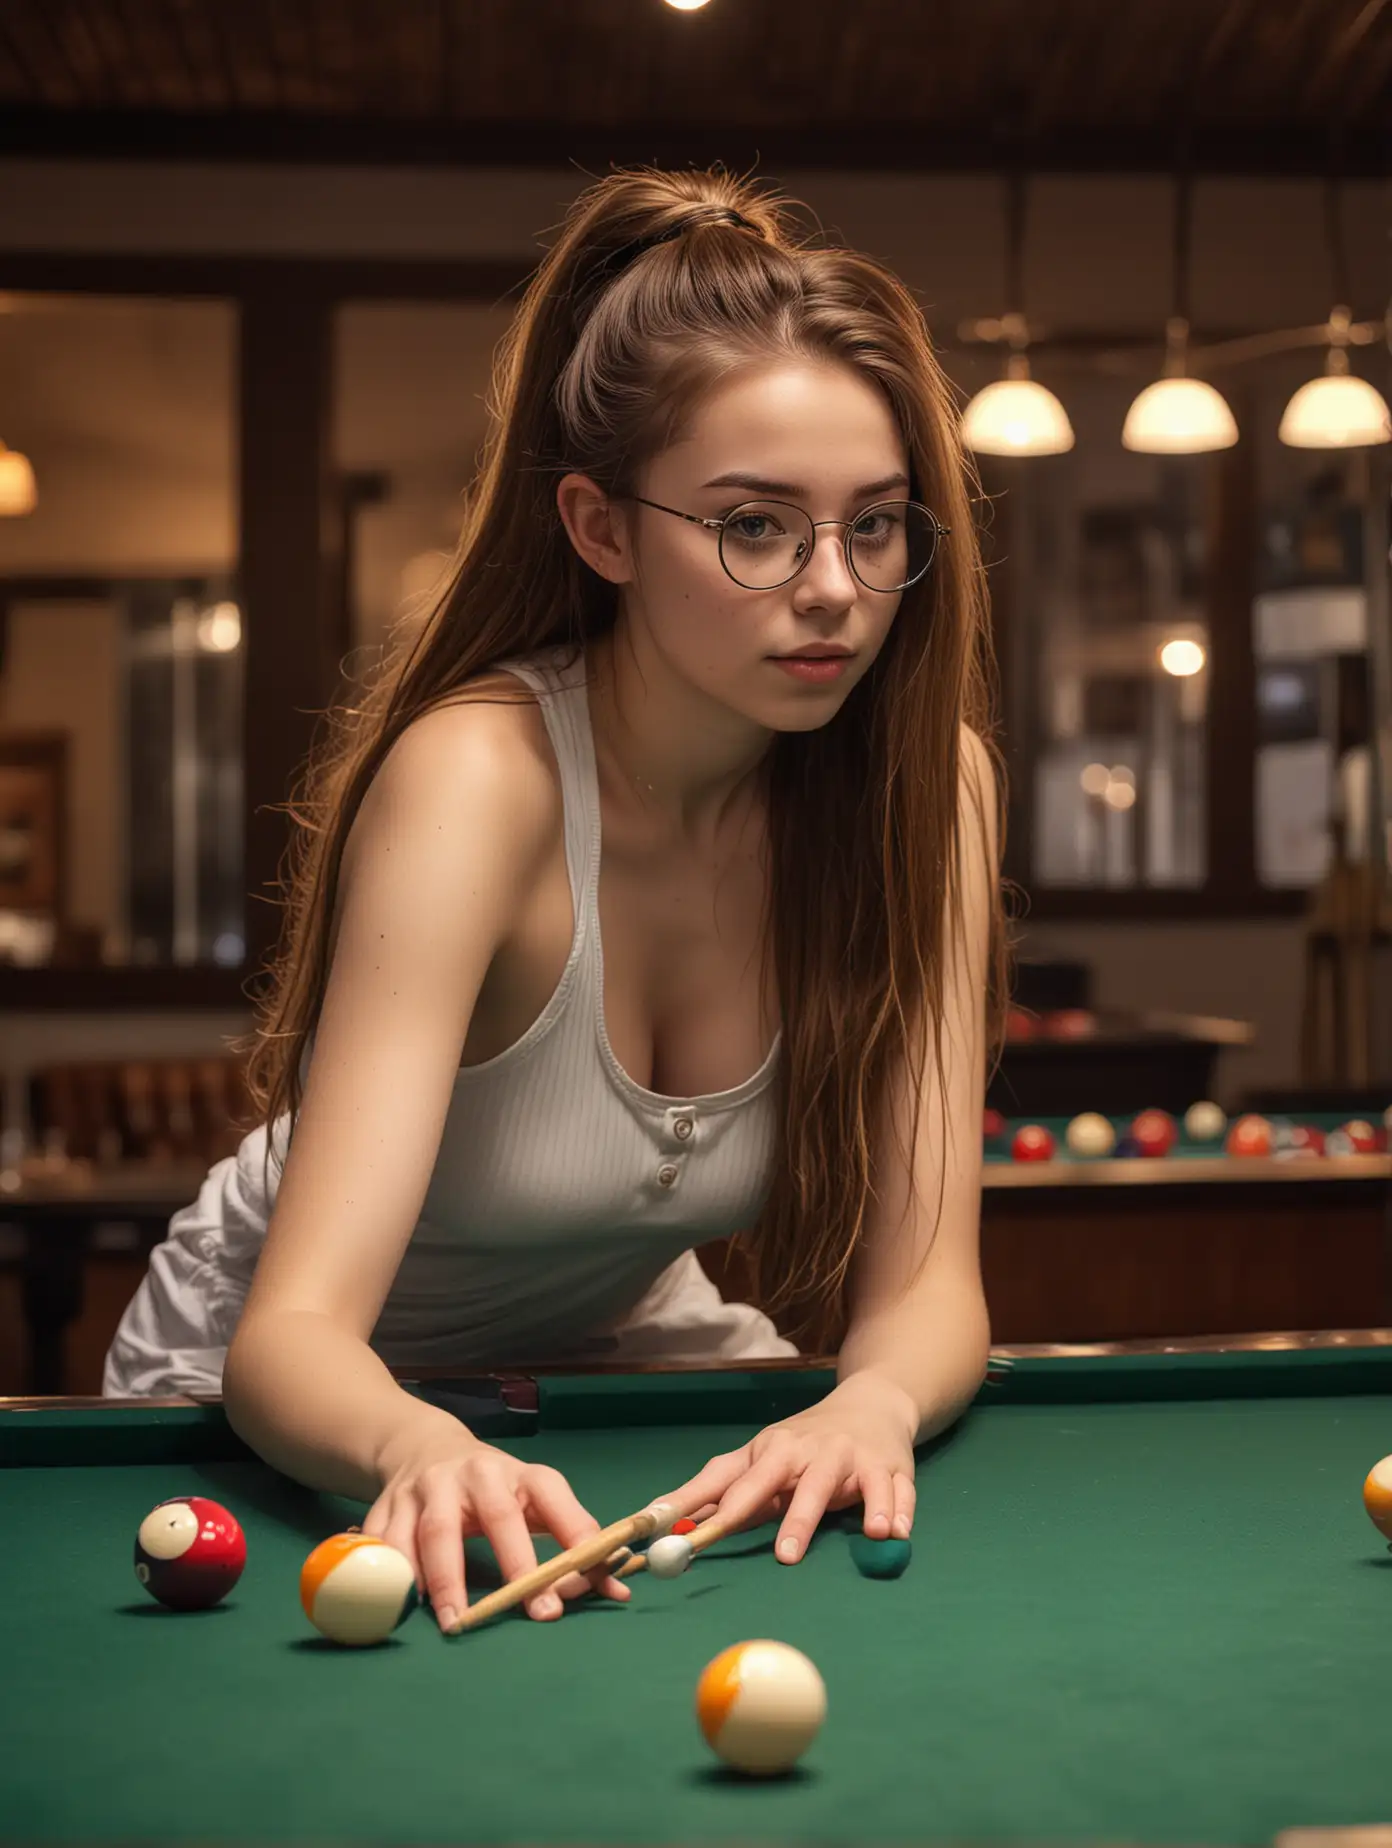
(1090, 1134)
(1204, 1122)
(670, 1556)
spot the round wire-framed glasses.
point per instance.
(766, 543)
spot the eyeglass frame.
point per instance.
(940, 532)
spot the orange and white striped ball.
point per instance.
(1377, 1497)
(356, 1589)
(760, 1705)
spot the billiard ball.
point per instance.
(1032, 1143)
(1090, 1135)
(1019, 1025)
(669, 1557)
(992, 1125)
(357, 1589)
(1339, 1143)
(1153, 1132)
(1070, 1023)
(1363, 1136)
(1204, 1122)
(189, 1552)
(1306, 1140)
(1249, 1135)
(760, 1705)
(1377, 1497)
(880, 1559)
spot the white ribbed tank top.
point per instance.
(565, 1201)
(562, 1189)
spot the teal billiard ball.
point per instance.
(880, 1559)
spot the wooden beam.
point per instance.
(284, 420)
(1229, 146)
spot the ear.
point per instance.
(597, 527)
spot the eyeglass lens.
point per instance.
(764, 543)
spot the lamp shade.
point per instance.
(18, 492)
(1179, 417)
(1336, 412)
(1016, 417)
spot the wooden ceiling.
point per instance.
(1239, 86)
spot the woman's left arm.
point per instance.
(918, 1323)
(918, 1336)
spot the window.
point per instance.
(121, 635)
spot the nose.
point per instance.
(827, 572)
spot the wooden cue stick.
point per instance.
(582, 1558)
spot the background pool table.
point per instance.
(1145, 1606)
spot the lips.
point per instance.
(815, 654)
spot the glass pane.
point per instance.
(1314, 784)
(120, 696)
(410, 384)
(1110, 633)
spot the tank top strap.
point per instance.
(560, 685)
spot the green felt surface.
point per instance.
(1129, 1618)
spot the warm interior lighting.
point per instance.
(1016, 416)
(19, 492)
(220, 628)
(1182, 658)
(1179, 417)
(1336, 411)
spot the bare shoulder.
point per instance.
(979, 792)
(478, 764)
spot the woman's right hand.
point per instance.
(440, 1486)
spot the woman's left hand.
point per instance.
(854, 1445)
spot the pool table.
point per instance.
(1145, 1606)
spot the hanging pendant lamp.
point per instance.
(18, 491)
(1336, 411)
(1016, 415)
(1178, 415)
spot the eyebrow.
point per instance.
(740, 478)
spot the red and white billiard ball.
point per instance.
(1032, 1142)
(1377, 1497)
(1249, 1135)
(1363, 1137)
(189, 1552)
(1154, 1132)
(356, 1589)
(760, 1705)
(992, 1125)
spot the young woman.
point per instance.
(612, 930)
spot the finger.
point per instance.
(400, 1531)
(504, 1525)
(805, 1511)
(705, 1489)
(438, 1543)
(754, 1491)
(877, 1492)
(905, 1503)
(553, 1504)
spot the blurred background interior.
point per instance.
(253, 265)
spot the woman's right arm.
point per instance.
(442, 854)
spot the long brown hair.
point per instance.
(604, 366)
